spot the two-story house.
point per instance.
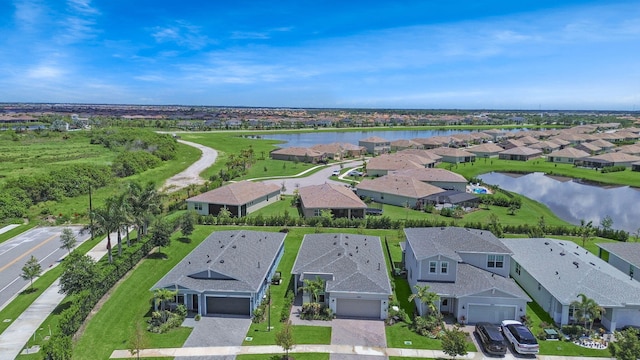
(469, 271)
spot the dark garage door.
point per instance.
(228, 305)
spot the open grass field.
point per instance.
(482, 166)
(34, 153)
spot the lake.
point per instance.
(573, 201)
(308, 139)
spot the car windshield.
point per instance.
(523, 335)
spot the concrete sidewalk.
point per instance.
(327, 349)
(14, 338)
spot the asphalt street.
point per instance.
(41, 242)
(317, 178)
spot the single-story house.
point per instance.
(381, 165)
(555, 272)
(511, 143)
(240, 198)
(603, 144)
(469, 271)
(339, 151)
(486, 150)
(567, 155)
(454, 156)
(442, 178)
(396, 190)
(589, 147)
(342, 201)
(376, 145)
(495, 134)
(423, 153)
(609, 159)
(298, 154)
(635, 166)
(631, 149)
(545, 146)
(228, 273)
(402, 144)
(563, 143)
(624, 256)
(434, 141)
(528, 140)
(354, 270)
(453, 198)
(521, 153)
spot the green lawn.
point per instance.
(129, 303)
(278, 208)
(482, 166)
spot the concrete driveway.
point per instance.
(317, 178)
(216, 331)
(358, 332)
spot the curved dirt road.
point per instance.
(191, 175)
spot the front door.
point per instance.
(445, 305)
(194, 302)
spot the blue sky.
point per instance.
(365, 54)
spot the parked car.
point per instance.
(491, 338)
(355, 173)
(520, 337)
(335, 172)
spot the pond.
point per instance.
(308, 139)
(572, 201)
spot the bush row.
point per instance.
(161, 145)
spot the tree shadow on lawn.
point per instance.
(185, 239)
(157, 256)
(28, 291)
(61, 307)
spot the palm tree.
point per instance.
(104, 221)
(118, 207)
(587, 310)
(144, 202)
(314, 288)
(426, 297)
(161, 297)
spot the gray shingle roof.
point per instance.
(449, 241)
(236, 260)
(566, 270)
(356, 262)
(471, 280)
(629, 252)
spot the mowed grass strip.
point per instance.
(297, 356)
(130, 303)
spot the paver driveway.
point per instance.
(216, 331)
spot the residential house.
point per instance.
(454, 156)
(383, 164)
(353, 267)
(635, 166)
(631, 149)
(521, 153)
(563, 143)
(442, 178)
(511, 143)
(404, 144)
(495, 134)
(567, 155)
(469, 271)
(609, 159)
(604, 145)
(545, 146)
(339, 151)
(486, 150)
(624, 256)
(428, 154)
(555, 272)
(451, 198)
(589, 147)
(298, 154)
(434, 141)
(340, 200)
(227, 274)
(376, 145)
(396, 190)
(240, 198)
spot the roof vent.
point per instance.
(592, 264)
(243, 235)
(562, 253)
(208, 261)
(339, 254)
(233, 246)
(221, 246)
(546, 243)
(350, 254)
(576, 264)
(221, 261)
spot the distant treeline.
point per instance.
(139, 150)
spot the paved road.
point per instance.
(317, 178)
(41, 242)
(191, 175)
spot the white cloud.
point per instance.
(182, 34)
(48, 72)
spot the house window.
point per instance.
(197, 206)
(518, 268)
(631, 271)
(495, 261)
(539, 287)
(317, 212)
(444, 267)
(432, 267)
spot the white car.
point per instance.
(520, 336)
(335, 173)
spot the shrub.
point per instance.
(315, 311)
(286, 308)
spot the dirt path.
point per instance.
(191, 175)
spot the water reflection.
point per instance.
(572, 201)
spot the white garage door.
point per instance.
(627, 317)
(358, 308)
(493, 314)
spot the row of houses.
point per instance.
(414, 188)
(476, 276)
